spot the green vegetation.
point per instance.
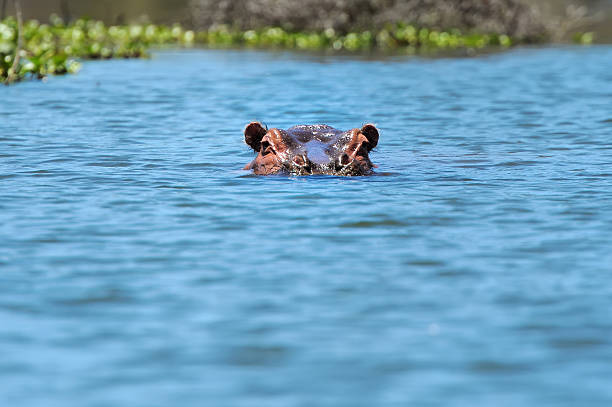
(584, 38)
(56, 48)
(38, 50)
(391, 37)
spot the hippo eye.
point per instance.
(363, 151)
(299, 161)
(266, 148)
(344, 159)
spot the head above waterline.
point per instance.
(311, 149)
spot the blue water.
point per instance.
(140, 266)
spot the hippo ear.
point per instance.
(253, 133)
(371, 133)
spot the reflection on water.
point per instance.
(140, 265)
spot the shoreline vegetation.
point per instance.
(33, 50)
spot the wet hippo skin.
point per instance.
(311, 149)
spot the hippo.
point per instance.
(311, 149)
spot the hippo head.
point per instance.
(311, 149)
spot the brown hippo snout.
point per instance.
(311, 149)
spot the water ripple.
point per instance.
(140, 265)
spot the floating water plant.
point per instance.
(32, 49)
(584, 38)
(390, 37)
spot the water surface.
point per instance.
(141, 266)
